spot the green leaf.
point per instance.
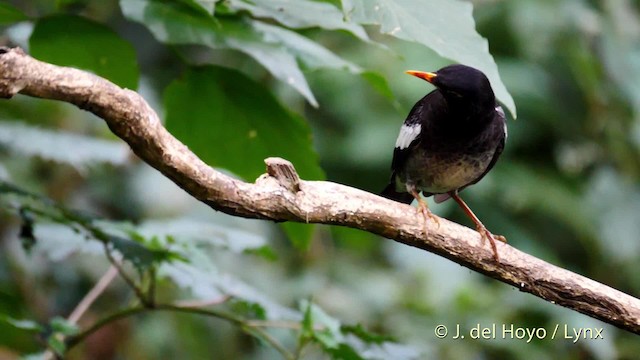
(174, 23)
(60, 146)
(310, 53)
(139, 255)
(248, 309)
(57, 345)
(380, 84)
(276, 49)
(346, 352)
(69, 40)
(319, 326)
(386, 350)
(34, 356)
(266, 252)
(234, 123)
(62, 242)
(201, 277)
(307, 320)
(365, 335)
(208, 5)
(10, 14)
(62, 5)
(301, 14)
(445, 26)
(184, 230)
(299, 234)
(240, 290)
(63, 326)
(348, 342)
(23, 324)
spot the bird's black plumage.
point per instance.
(451, 139)
(461, 135)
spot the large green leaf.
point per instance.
(175, 23)
(308, 52)
(348, 342)
(275, 48)
(445, 26)
(208, 5)
(234, 123)
(60, 146)
(299, 234)
(202, 233)
(9, 14)
(301, 14)
(78, 42)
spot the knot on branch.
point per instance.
(17, 50)
(283, 171)
(10, 77)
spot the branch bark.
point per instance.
(280, 195)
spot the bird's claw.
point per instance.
(429, 215)
(487, 235)
(424, 209)
(500, 238)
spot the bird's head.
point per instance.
(461, 84)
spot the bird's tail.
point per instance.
(390, 193)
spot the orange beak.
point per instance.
(428, 76)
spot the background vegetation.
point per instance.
(242, 80)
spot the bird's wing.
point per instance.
(407, 139)
(501, 117)
(499, 149)
(409, 135)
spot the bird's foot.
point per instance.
(487, 235)
(484, 233)
(424, 209)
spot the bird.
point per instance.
(450, 140)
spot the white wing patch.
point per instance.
(501, 112)
(408, 133)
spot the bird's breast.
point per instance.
(438, 173)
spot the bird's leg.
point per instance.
(484, 233)
(423, 206)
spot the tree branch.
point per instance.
(280, 195)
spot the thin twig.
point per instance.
(260, 333)
(86, 302)
(243, 324)
(76, 339)
(93, 294)
(139, 293)
(302, 343)
(151, 291)
(234, 319)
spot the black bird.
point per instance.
(451, 139)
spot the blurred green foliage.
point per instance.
(330, 95)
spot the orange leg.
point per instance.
(484, 233)
(424, 208)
